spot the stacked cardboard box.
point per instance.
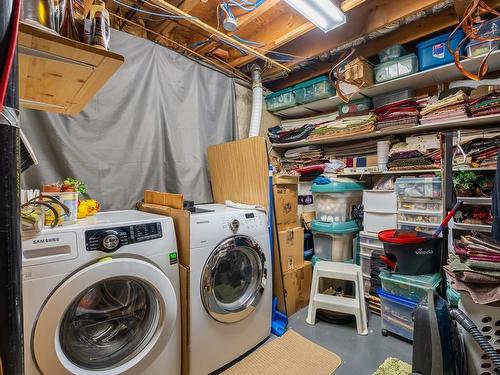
(297, 274)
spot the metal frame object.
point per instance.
(241, 308)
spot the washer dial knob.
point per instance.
(110, 242)
(234, 225)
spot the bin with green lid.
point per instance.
(334, 200)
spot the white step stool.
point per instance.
(354, 306)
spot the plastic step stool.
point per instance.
(354, 306)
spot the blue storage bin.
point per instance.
(434, 52)
(396, 314)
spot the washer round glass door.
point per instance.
(233, 279)
(106, 319)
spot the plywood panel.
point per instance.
(239, 172)
(58, 74)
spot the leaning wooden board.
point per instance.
(57, 74)
(239, 172)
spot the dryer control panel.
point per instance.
(111, 239)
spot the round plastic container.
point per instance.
(333, 202)
(334, 242)
(415, 253)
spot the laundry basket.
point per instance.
(487, 320)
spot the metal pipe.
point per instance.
(11, 322)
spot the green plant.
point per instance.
(466, 180)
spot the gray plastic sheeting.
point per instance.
(148, 127)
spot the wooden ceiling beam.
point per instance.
(348, 5)
(213, 31)
(406, 34)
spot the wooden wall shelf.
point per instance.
(57, 74)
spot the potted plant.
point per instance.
(465, 183)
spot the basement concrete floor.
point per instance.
(361, 355)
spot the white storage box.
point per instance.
(376, 221)
(380, 201)
(336, 207)
(370, 240)
(367, 284)
(366, 264)
(333, 247)
(421, 204)
(420, 216)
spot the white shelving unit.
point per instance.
(470, 227)
(431, 77)
(473, 122)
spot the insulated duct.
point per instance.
(257, 96)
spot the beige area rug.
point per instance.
(289, 354)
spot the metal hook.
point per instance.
(459, 148)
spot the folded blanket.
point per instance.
(418, 161)
(279, 135)
(457, 98)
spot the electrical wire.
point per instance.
(165, 15)
(247, 41)
(245, 5)
(11, 52)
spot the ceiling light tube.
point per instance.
(323, 13)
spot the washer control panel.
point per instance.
(111, 239)
(244, 221)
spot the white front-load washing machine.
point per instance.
(230, 285)
(102, 297)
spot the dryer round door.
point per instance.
(112, 317)
(233, 279)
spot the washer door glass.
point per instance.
(233, 279)
(109, 323)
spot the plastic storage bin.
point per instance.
(313, 89)
(378, 221)
(481, 48)
(434, 52)
(400, 67)
(366, 264)
(334, 242)
(333, 202)
(391, 97)
(421, 204)
(391, 53)
(280, 100)
(413, 288)
(429, 229)
(366, 286)
(370, 240)
(418, 187)
(380, 201)
(396, 313)
(416, 216)
(354, 106)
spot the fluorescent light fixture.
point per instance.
(323, 13)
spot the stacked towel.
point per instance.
(474, 267)
(453, 107)
(486, 105)
(408, 156)
(345, 127)
(398, 115)
(278, 134)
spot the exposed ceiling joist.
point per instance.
(347, 5)
(213, 31)
(243, 21)
(365, 19)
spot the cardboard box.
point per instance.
(182, 219)
(297, 284)
(184, 280)
(286, 200)
(291, 247)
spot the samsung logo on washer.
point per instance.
(46, 240)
